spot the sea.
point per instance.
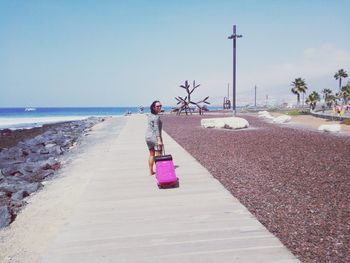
(26, 118)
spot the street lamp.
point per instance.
(234, 36)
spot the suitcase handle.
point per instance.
(162, 152)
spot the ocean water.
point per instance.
(23, 118)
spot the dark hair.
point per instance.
(152, 106)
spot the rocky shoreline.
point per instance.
(295, 181)
(28, 157)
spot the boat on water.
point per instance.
(30, 109)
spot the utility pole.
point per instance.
(228, 90)
(234, 36)
(255, 97)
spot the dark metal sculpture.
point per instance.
(186, 102)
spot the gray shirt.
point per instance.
(154, 128)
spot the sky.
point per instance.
(129, 53)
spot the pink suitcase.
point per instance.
(165, 171)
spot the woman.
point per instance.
(154, 134)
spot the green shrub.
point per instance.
(296, 112)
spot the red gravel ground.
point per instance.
(296, 182)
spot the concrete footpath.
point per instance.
(122, 216)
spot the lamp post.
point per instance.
(234, 36)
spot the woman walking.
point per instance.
(154, 134)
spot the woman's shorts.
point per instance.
(150, 144)
(153, 145)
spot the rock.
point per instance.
(14, 184)
(3, 195)
(26, 152)
(15, 206)
(11, 170)
(50, 145)
(19, 195)
(38, 140)
(8, 187)
(282, 119)
(56, 150)
(43, 151)
(35, 157)
(330, 127)
(39, 176)
(24, 166)
(31, 187)
(265, 114)
(226, 123)
(30, 167)
(51, 164)
(5, 216)
(13, 153)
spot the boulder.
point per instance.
(15, 206)
(31, 187)
(43, 151)
(265, 114)
(8, 187)
(49, 145)
(226, 123)
(50, 164)
(3, 195)
(11, 169)
(39, 176)
(19, 195)
(5, 216)
(38, 140)
(35, 157)
(56, 150)
(13, 153)
(30, 167)
(282, 119)
(330, 127)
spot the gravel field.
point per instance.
(295, 181)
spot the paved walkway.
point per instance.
(122, 216)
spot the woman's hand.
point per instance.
(159, 142)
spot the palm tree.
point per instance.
(326, 93)
(330, 100)
(299, 86)
(339, 75)
(345, 93)
(313, 98)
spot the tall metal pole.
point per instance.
(255, 98)
(234, 36)
(228, 90)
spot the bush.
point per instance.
(294, 112)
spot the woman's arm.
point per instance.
(157, 130)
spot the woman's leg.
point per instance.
(151, 161)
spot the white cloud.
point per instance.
(316, 65)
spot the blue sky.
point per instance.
(123, 53)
